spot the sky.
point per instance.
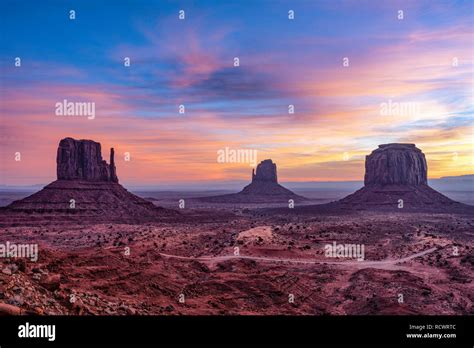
(408, 77)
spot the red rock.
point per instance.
(6, 309)
(87, 189)
(266, 171)
(82, 160)
(393, 164)
(264, 188)
(51, 282)
(396, 178)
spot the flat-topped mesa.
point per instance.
(266, 171)
(396, 179)
(396, 164)
(82, 160)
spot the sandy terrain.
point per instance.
(189, 266)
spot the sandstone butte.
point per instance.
(396, 176)
(264, 188)
(86, 189)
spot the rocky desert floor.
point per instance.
(243, 262)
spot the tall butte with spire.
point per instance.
(82, 160)
(87, 187)
(264, 188)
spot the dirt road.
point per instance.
(389, 263)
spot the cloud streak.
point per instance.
(337, 109)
